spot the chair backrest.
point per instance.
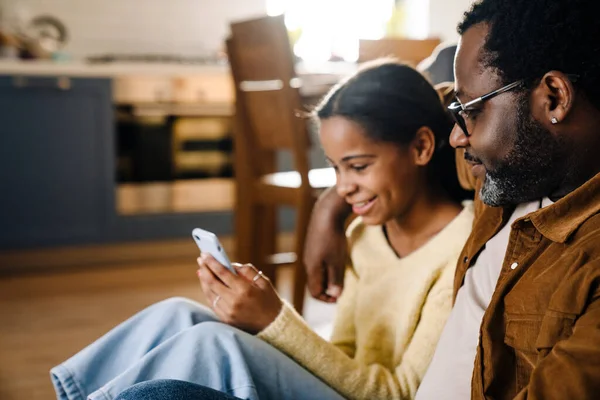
(410, 51)
(267, 91)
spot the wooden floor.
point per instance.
(48, 315)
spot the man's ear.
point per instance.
(552, 100)
(423, 146)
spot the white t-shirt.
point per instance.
(449, 374)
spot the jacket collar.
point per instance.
(558, 221)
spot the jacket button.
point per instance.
(465, 260)
(514, 265)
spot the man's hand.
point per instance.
(325, 252)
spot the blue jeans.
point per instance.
(180, 339)
(168, 389)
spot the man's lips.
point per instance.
(471, 159)
(473, 163)
(477, 167)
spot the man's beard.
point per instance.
(530, 170)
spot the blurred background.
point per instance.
(119, 134)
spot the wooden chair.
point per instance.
(465, 176)
(266, 122)
(410, 51)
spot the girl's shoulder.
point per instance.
(356, 228)
(358, 231)
(467, 214)
(363, 236)
(464, 220)
(469, 207)
(455, 234)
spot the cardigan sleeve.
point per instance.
(352, 379)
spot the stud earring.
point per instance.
(554, 121)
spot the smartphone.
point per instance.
(209, 243)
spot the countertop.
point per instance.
(116, 69)
(106, 70)
(138, 82)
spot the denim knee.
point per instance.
(219, 339)
(176, 304)
(182, 309)
(214, 331)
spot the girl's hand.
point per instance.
(247, 301)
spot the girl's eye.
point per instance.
(359, 168)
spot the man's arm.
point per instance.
(325, 252)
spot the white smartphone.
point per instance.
(209, 243)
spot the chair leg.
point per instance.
(302, 218)
(244, 231)
(266, 241)
(256, 236)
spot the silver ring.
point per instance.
(216, 300)
(257, 276)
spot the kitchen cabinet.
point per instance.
(58, 170)
(56, 160)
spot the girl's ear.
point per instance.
(423, 146)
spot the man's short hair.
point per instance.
(528, 38)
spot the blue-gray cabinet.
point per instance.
(56, 160)
(58, 172)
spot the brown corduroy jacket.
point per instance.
(540, 335)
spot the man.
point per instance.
(526, 318)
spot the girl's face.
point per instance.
(378, 179)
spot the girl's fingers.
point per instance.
(256, 277)
(210, 282)
(219, 270)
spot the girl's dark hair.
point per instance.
(391, 102)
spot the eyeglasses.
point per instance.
(461, 111)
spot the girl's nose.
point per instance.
(345, 186)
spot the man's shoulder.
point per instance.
(587, 236)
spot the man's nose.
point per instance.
(458, 138)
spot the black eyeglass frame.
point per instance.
(457, 107)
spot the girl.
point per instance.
(385, 132)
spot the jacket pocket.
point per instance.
(556, 326)
(522, 331)
(532, 337)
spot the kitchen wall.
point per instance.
(444, 16)
(183, 27)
